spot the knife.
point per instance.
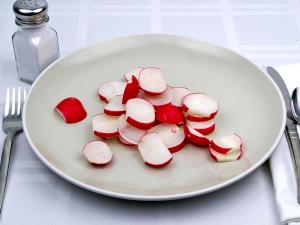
(291, 132)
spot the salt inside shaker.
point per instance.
(35, 43)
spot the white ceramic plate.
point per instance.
(250, 105)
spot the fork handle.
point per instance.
(8, 143)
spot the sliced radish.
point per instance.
(123, 141)
(204, 127)
(105, 126)
(129, 133)
(115, 106)
(172, 135)
(178, 94)
(140, 113)
(131, 90)
(169, 114)
(195, 137)
(134, 73)
(219, 157)
(158, 100)
(152, 81)
(153, 150)
(227, 144)
(198, 118)
(71, 110)
(110, 89)
(199, 105)
(97, 152)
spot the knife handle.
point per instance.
(294, 143)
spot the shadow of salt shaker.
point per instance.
(35, 43)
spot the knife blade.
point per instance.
(291, 132)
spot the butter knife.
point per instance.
(291, 132)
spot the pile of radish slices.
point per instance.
(143, 111)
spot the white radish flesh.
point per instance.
(97, 152)
(105, 126)
(152, 81)
(160, 99)
(135, 73)
(227, 144)
(110, 89)
(129, 133)
(115, 106)
(178, 94)
(219, 157)
(153, 150)
(123, 141)
(204, 127)
(199, 105)
(172, 136)
(140, 113)
(195, 137)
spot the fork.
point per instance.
(12, 125)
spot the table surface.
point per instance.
(265, 31)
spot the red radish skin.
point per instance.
(169, 114)
(195, 137)
(204, 127)
(134, 73)
(178, 94)
(105, 126)
(110, 89)
(227, 144)
(199, 118)
(129, 133)
(124, 142)
(153, 150)
(219, 157)
(152, 81)
(131, 90)
(115, 107)
(71, 110)
(199, 105)
(140, 113)
(97, 153)
(172, 135)
(158, 100)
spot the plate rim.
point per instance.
(154, 197)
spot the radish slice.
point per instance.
(97, 152)
(204, 127)
(199, 105)
(105, 126)
(153, 150)
(172, 136)
(134, 73)
(198, 118)
(219, 157)
(115, 106)
(123, 141)
(178, 94)
(71, 110)
(129, 133)
(140, 113)
(131, 90)
(169, 114)
(152, 81)
(158, 100)
(195, 137)
(110, 89)
(227, 144)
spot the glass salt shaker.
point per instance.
(35, 43)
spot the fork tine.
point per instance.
(6, 110)
(19, 102)
(23, 98)
(13, 101)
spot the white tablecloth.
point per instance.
(266, 31)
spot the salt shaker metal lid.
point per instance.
(31, 13)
